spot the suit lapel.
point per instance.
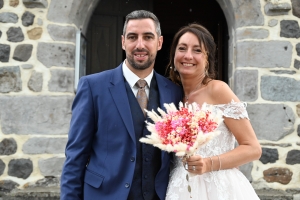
(164, 91)
(164, 97)
(119, 95)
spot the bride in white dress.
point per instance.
(213, 171)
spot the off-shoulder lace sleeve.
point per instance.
(235, 110)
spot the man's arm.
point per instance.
(78, 148)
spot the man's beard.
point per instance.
(140, 66)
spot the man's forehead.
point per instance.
(141, 26)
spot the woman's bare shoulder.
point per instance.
(221, 93)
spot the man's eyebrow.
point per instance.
(149, 33)
(131, 34)
(146, 33)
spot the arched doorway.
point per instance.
(105, 30)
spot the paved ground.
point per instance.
(52, 193)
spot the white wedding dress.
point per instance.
(229, 184)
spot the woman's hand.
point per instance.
(196, 164)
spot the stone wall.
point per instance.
(37, 49)
(36, 94)
(266, 75)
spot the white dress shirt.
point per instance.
(132, 78)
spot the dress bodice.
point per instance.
(229, 184)
(225, 141)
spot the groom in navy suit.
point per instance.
(104, 158)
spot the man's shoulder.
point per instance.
(100, 76)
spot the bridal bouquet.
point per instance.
(182, 131)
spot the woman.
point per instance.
(216, 164)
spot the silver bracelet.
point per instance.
(212, 163)
(219, 162)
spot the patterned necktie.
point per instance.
(141, 94)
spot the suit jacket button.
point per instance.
(127, 185)
(132, 159)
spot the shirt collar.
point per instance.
(132, 78)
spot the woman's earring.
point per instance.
(175, 69)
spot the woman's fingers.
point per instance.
(194, 164)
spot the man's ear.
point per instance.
(123, 41)
(160, 42)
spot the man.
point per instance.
(104, 158)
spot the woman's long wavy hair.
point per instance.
(206, 41)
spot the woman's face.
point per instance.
(189, 57)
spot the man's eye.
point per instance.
(131, 37)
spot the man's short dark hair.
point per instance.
(142, 14)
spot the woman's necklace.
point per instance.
(194, 90)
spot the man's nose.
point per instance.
(140, 43)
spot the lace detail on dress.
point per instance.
(235, 110)
(228, 184)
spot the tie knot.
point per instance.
(141, 83)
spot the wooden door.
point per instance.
(106, 24)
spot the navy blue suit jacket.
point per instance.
(102, 132)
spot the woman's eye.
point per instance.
(181, 48)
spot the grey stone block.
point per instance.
(61, 55)
(245, 84)
(276, 88)
(251, 33)
(2, 167)
(7, 186)
(273, 22)
(269, 155)
(296, 8)
(4, 52)
(21, 168)
(23, 52)
(27, 18)
(10, 79)
(62, 33)
(35, 82)
(44, 145)
(264, 54)
(61, 81)
(283, 72)
(59, 11)
(297, 64)
(8, 17)
(51, 166)
(35, 3)
(45, 115)
(281, 121)
(277, 9)
(248, 13)
(8, 146)
(293, 157)
(15, 34)
(289, 29)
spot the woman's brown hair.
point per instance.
(206, 40)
